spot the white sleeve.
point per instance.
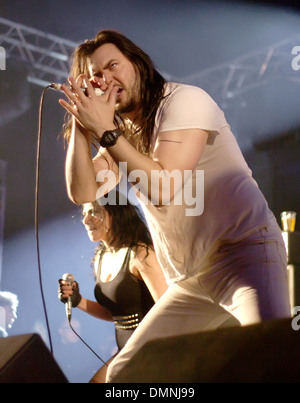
(189, 107)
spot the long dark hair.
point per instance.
(128, 228)
(151, 84)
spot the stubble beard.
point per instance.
(132, 103)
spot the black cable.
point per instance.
(86, 344)
(37, 227)
(37, 212)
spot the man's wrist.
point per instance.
(110, 137)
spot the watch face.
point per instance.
(110, 138)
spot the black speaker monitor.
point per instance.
(26, 359)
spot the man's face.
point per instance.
(108, 64)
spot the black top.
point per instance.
(127, 298)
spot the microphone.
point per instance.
(69, 278)
(57, 87)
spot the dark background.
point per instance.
(185, 39)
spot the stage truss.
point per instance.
(48, 59)
(47, 55)
(231, 81)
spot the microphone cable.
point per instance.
(36, 213)
(86, 344)
(36, 221)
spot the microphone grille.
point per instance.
(68, 277)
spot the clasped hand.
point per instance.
(65, 291)
(94, 113)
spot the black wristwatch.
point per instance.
(110, 137)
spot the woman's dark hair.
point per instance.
(151, 84)
(127, 226)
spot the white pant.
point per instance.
(246, 281)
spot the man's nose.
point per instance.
(107, 77)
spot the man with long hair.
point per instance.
(215, 237)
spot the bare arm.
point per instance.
(146, 267)
(175, 150)
(95, 309)
(79, 169)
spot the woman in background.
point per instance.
(129, 279)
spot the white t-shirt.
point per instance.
(233, 206)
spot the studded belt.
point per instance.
(126, 322)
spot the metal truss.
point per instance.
(46, 55)
(230, 81)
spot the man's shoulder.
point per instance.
(174, 90)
